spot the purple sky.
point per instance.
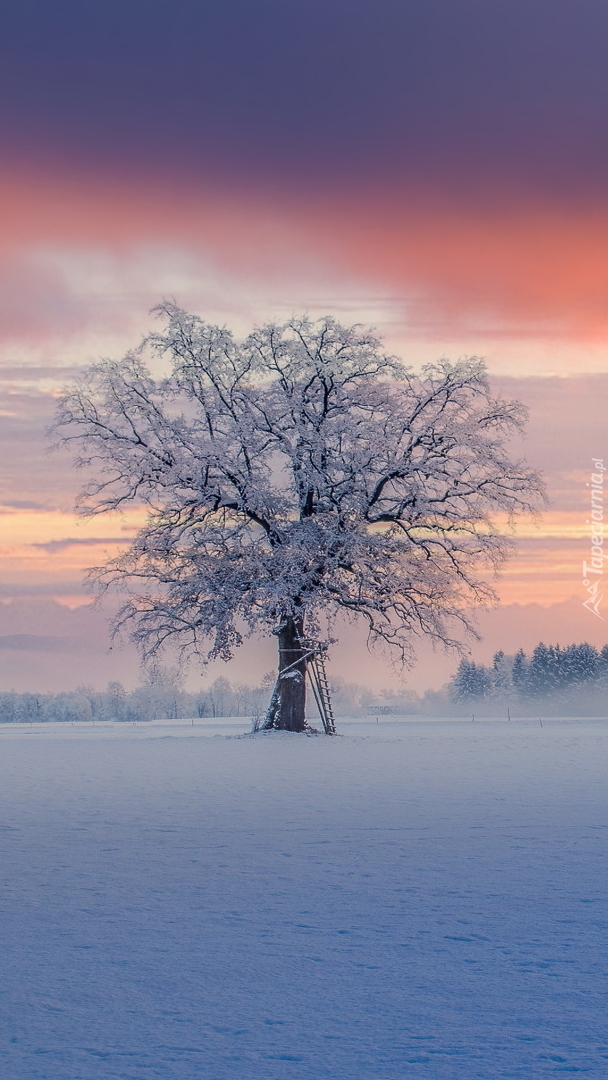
(472, 98)
(437, 169)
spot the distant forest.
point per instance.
(552, 673)
(162, 697)
(561, 680)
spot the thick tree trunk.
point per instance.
(291, 711)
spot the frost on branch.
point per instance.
(293, 475)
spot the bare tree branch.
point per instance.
(297, 473)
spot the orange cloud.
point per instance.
(524, 270)
(531, 272)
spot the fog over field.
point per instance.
(413, 899)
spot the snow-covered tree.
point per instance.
(500, 675)
(602, 666)
(296, 474)
(580, 664)
(545, 670)
(519, 671)
(472, 682)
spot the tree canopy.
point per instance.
(290, 476)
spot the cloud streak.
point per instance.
(79, 276)
(47, 643)
(53, 546)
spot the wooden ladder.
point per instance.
(320, 689)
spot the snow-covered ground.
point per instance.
(412, 900)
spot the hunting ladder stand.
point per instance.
(314, 656)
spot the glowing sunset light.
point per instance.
(438, 172)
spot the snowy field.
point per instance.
(423, 900)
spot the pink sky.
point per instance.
(82, 263)
(436, 170)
